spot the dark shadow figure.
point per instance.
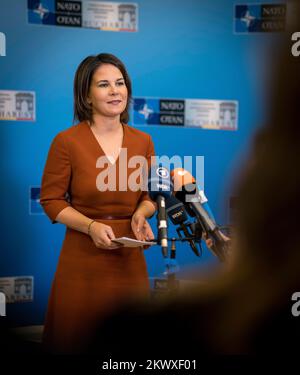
(247, 308)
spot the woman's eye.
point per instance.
(106, 84)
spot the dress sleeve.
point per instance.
(150, 152)
(56, 179)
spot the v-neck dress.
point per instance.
(90, 282)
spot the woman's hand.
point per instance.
(141, 228)
(102, 235)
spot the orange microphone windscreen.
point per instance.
(181, 177)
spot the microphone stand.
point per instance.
(194, 236)
(172, 283)
(162, 225)
(171, 264)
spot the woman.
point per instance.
(93, 273)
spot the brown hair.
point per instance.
(82, 83)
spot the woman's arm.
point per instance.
(55, 185)
(145, 208)
(139, 224)
(100, 233)
(74, 219)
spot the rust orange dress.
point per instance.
(90, 282)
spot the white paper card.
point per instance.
(130, 242)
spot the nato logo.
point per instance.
(246, 18)
(172, 112)
(54, 12)
(260, 18)
(41, 12)
(35, 207)
(145, 111)
(2, 44)
(158, 112)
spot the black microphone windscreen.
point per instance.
(175, 210)
(159, 183)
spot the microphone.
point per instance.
(204, 202)
(186, 190)
(177, 214)
(160, 188)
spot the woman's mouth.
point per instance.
(114, 102)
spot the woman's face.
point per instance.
(108, 93)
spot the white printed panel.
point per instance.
(110, 16)
(2, 304)
(17, 105)
(211, 114)
(17, 289)
(2, 44)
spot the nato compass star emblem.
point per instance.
(41, 11)
(248, 18)
(146, 111)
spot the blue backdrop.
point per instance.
(183, 49)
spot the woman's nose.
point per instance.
(113, 89)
